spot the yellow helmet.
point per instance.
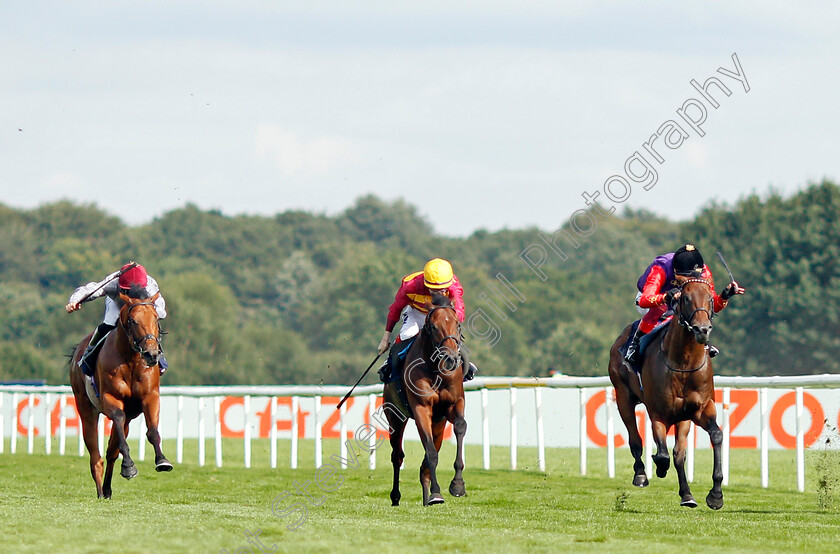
(438, 274)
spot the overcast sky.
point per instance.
(504, 111)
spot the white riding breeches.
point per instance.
(112, 311)
(641, 310)
(412, 321)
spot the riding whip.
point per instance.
(346, 396)
(132, 265)
(731, 277)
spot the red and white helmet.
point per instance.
(134, 276)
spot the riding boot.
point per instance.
(471, 371)
(391, 363)
(632, 354)
(163, 365)
(713, 350)
(98, 335)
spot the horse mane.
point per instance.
(137, 292)
(439, 299)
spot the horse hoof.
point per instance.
(435, 499)
(640, 480)
(163, 465)
(688, 502)
(661, 472)
(714, 502)
(457, 489)
(128, 471)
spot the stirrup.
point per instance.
(384, 370)
(713, 350)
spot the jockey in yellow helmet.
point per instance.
(410, 304)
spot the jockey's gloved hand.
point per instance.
(731, 290)
(384, 344)
(672, 295)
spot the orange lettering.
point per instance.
(592, 432)
(787, 400)
(22, 405)
(282, 424)
(744, 401)
(227, 403)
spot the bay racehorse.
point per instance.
(127, 378)
(433, 381)
(677, 388)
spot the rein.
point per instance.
(136, 344)
(676, 369)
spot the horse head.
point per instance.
(695, 306)
(444, 330)
(139, 320)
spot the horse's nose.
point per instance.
(151, 356)
(701, 333)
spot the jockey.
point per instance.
(657, 288)
(410, 304)
(131, 280)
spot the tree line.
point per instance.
(302, 297)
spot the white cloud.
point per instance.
(294, 155)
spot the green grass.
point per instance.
(49, 504)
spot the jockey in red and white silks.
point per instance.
(410, 302)
(131, 278)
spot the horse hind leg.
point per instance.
(457, 487)
(686, 498)
(397, 455)
(90, 435)
(111, 455)
(627, 411)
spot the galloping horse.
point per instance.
(677, 388)
(128, 379)
(433, 381)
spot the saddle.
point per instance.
(644, 342)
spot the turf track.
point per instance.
(49, 505)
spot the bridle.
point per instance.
(429, 328)
(686, 323)
(137, 344)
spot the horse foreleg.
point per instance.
(397, 454)
(428, 469)
(111, 455)
(661, 458)
(114, 409)
(627, 411)
(151, 411)
(686, 498)
(456, 487)
(708, 421)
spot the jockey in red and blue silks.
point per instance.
(657, 289)
(410, 305)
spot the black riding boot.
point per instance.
(471, 371)
(391, 362)
(99, 333)
(713, 350)
(632, 354)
